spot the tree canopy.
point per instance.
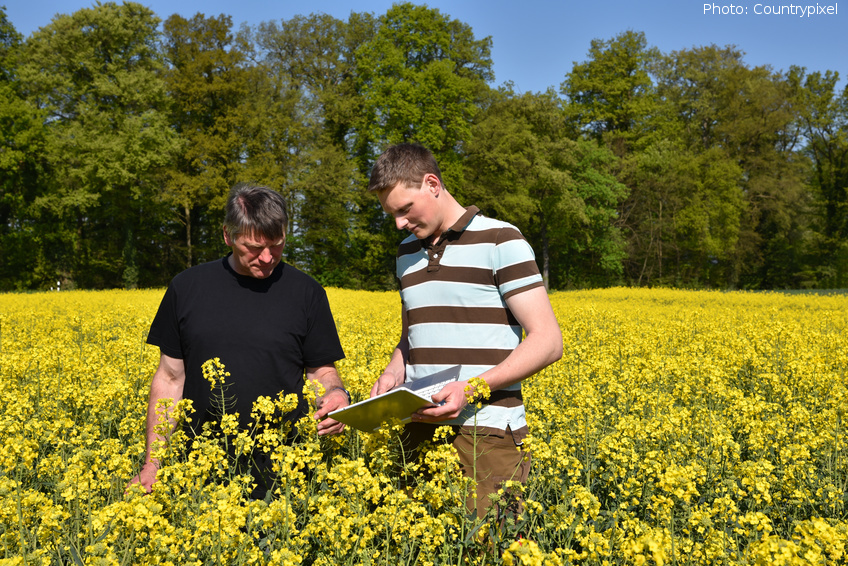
(123, 131)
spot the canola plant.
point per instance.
(680, 427)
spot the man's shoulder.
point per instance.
(200, 271)
(294, 275)
(483, 230)
(215, 264)
(481, 222)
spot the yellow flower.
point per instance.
(702, 427)
(214, 372)
(477, 390)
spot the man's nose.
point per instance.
(400, 222)
(265, 255)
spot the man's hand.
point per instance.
(385, 382)
(334, 397)
(146, 477)
(453, 394)
(329, 402)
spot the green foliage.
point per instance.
(21, 148)
(708, 152)
(119, 143)
(740, 118)
(823, 122)
(22, 137)
(559, 192)
(95, 75)
(208, 85)
(321, 203)
(613, 91)
(422, 77)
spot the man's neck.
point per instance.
(453, 213)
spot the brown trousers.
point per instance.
(499, 456)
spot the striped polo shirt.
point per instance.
(454, 293)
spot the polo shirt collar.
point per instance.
(436, 251)
(465, 219)
(460, 225)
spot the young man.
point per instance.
(469, 285)
(267, 322)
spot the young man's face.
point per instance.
(254, 256)
(415, 209)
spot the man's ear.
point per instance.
(433, 184)
(227, 237)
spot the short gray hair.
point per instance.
(256, 210)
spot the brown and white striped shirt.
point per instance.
(454, 293)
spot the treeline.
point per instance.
(121, 135)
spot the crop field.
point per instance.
(680, 427)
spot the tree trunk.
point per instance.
(188, 236)
(546, 258)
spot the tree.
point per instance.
(824, 124)
(560, 192)
(741, 119)
(321, 199)
(10, 39)
(611, 94)
(208, 80)
(314, 59)
(21, 155)
(422, 77)
(683, 216)
(95, 75)
(315, 55)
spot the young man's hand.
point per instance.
(385, 382)
(453, 395)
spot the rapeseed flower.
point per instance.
(679, 426)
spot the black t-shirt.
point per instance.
(265, 331)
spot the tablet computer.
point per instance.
(399, 402)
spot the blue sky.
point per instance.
(536, 42)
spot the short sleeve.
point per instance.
(165, 330)
(321, 345)
(514, 263)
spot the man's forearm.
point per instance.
(167, 384)
(397, 364)
(335, 396)
(528, 358)
(400, 356)
(541, 347)
(171, 394)
(327, 376)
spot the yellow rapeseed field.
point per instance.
(680, 427)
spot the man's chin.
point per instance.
(263, 273)
(419, 233)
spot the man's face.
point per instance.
(415, 208)
(254, 256)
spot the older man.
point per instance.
(269, 324)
